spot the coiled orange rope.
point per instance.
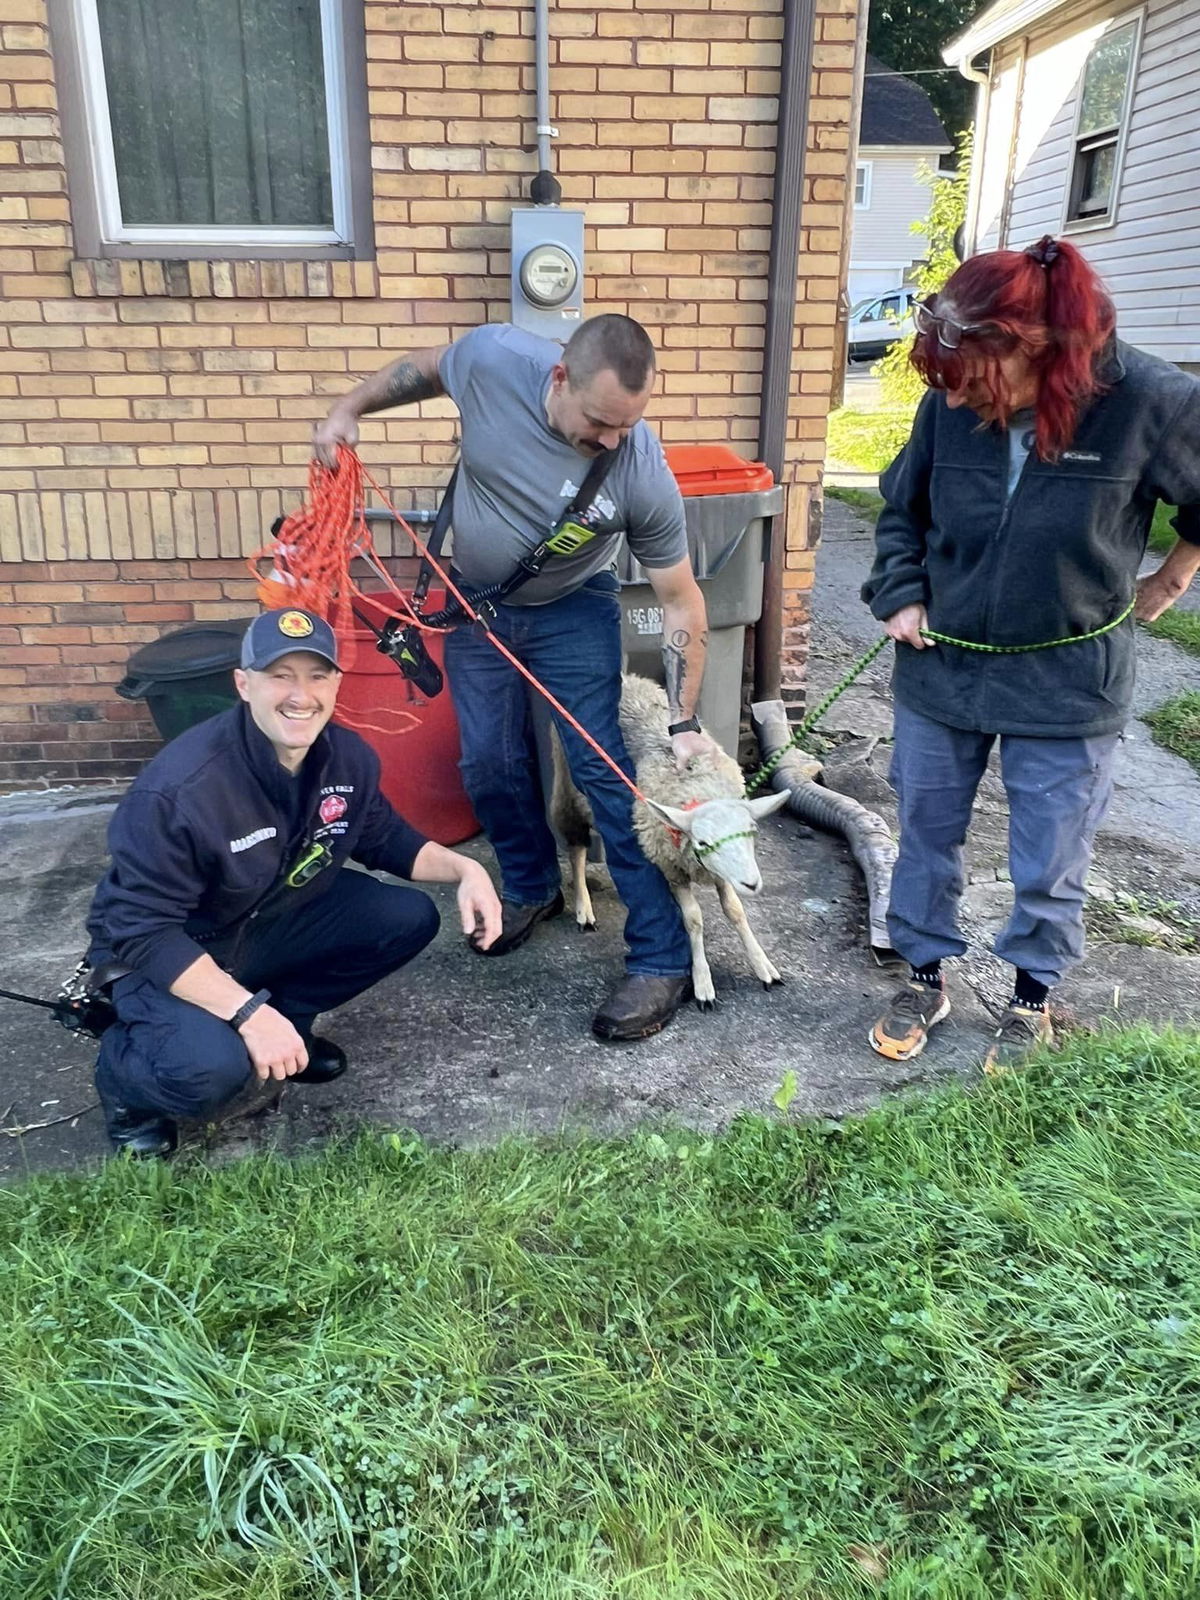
(312, 555)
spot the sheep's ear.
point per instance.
(673, 816)
(769, 803)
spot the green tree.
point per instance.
(901, 385)
(908, 35)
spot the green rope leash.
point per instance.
(1021, 649)
(703, 850)
(864, 661)
(814, 716)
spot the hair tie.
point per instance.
(1045, 252)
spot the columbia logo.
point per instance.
(249, 839)
(1080, 455)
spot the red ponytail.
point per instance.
(1045, 301)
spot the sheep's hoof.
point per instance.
(586, 927)
(773, 983)
(706, 1005)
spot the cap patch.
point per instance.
(295, 624)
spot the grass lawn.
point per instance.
(1177, 725)
(1162, 534)
(950, 1351)
(863, 502)
(1181, 627)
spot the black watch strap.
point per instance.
(688, 725)
(248, 1007)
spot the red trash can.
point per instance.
(416, 739)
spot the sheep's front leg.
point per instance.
(736, 912)
(584, 915)
(693, 921)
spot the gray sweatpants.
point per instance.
(1058, 791)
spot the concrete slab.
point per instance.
(466, 1049)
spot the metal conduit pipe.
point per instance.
(867, 834)
(545, 190)
(791, 141)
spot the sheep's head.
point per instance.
(722, 833)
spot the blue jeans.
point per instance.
(166, 1055)
(1058, 791)
(573, 646)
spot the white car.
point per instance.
(876, 324)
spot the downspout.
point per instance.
(799, 27)
(983, 102)
(545, 189)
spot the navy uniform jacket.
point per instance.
(1057, 559)
(210, 829)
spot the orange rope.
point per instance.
(312, 554)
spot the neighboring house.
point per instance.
(899, 137)
(1089, 127)
(190, 271)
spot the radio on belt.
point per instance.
(547, 276)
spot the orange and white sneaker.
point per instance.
(904, 1027)
(1022, 1030)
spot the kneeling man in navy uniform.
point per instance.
(228, 920)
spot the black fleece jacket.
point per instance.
(1057, 559)
(209, 831)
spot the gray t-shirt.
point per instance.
(1021, 436)
(517, 476)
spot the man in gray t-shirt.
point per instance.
(534, 417)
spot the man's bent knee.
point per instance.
(195, 1083)
(412, 922)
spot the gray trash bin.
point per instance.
(727, 501)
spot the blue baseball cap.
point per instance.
(281, 633)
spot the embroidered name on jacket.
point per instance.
(249, 839)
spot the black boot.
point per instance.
(639, 1006)
(139, 1134)
(326, 1061)
(518, 923)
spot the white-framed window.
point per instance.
(862, 185)
(1101, 123)
(215, 126)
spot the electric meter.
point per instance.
(549, 274)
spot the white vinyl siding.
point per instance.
(882, 231)
(1149, 256)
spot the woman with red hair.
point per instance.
(1006, 565)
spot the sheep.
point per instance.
(709, 837)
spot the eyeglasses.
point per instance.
(949, 333)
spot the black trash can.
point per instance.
(186, 676)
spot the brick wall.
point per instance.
(154, 416)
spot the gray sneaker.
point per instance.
(904, 1027)
(1022, 1030)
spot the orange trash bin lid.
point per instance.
(716, 469)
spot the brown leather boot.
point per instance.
(639, 1006)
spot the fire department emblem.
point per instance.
(332, 807)
(295, 624)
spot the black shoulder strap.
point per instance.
(531, 565)
(592, 484)
(435, 541)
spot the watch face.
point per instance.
(548, 275)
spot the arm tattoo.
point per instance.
(405, 387)
(675, 669)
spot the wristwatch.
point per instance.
(248, 1007)
(688, 725)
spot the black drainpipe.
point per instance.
(799, 28)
